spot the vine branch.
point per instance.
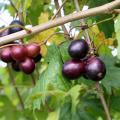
(12, 26)
(104, 9)
(13, 83)
(102, 99)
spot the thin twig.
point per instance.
(87, 27)
(20, 12)
(13, 83)
(83, 27)
(58, 7)
(102, 21)
(50, 36)
(102, 99)
(12, 4)
(104, 9)
(33, 79)
(58, 10)
(79, 26)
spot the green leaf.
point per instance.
(53, 115)
(65, 112)
(36, 8)
(111, 79)
(82, 3)
(7, 109)
(114, 104)
(64, 51)
(34, 11)
(51, 79)
(75, 92)
(88, 108)
(106, 27)
(117, 30)
(27, 4)
(69, 7)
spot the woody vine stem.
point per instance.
(104, 9)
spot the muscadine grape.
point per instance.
(78, 49)
(15, 66)
(37, 58)
(73, 69)
(5, 55)
(95, 68)
(18, 52)
(27, 66)
(16, 29)
(33, 49)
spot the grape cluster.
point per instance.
(21, 57)
(82, 63)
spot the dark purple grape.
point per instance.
(78, 49)
(95, 69)
(84, 76)
(33, 49)
(73, 69)
(15, 66)
(5, 55)
(37, 58)
(18, 52)
(27, 66)
(15, 29)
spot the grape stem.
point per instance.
(87, 27)
(13, 83)
(50, 36)
(37, 72)
(58, 10)
(33, 79)
(102, 99)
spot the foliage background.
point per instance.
(54, 97)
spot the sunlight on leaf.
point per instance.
(117, 30)
(54, 115)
